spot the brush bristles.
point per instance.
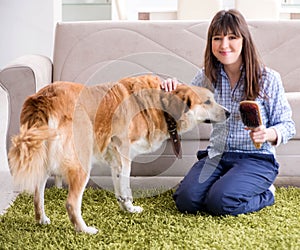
(250, 114)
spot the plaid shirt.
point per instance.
(275, 111)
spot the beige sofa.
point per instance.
(96, 52)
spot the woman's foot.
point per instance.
(272, 189)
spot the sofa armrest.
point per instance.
(19, 79)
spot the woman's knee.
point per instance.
(222, 200)
(185, 201)
(221, 205)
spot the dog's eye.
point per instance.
(207, 102)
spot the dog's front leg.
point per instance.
(121, 179)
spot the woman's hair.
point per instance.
(233, 21)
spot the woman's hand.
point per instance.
(169, 84)
(262, 134)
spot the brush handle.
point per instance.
(257, 145)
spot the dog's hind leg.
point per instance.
(121, 180)
(38, 201)
(77, 180)
(77, 172)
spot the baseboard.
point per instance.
(287, 181)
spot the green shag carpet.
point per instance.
(159, 226)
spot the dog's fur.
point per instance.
(65, 124)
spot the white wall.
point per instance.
(27, 27)
(228, 4)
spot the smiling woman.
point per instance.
(232, 67)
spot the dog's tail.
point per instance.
(28, 156)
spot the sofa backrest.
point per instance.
(95, 52)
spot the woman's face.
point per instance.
(227, 49)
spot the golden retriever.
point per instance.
(65, 124)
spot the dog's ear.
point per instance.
(174, 104)
(182, 92)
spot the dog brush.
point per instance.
(251, 116)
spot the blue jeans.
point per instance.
(234, 183)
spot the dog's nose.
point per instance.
(227, 113)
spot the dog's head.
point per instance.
(196, 102)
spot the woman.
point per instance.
(232, 176)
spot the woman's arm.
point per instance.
(278, 110)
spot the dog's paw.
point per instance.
(44, 221)
(90, 230)
(136, 209)
(132, 209)
(126, 205)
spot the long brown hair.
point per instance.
(233, 21)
